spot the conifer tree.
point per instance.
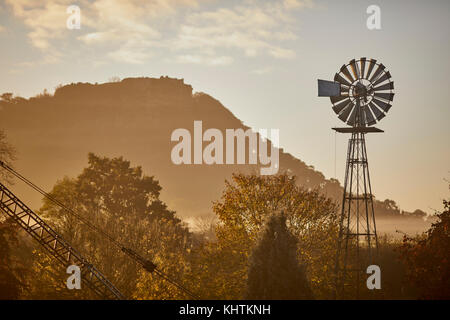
(274, 270)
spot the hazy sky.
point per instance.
(261, 59)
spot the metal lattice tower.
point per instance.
(357, 243)
(361, 94)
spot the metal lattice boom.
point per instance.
(55, 245)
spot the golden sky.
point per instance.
(261, 59)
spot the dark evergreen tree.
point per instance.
(274, 271)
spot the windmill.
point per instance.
(361, 95)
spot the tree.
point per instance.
(419, 214)
(8, 154)
(11, 280)
(247, 201)
(7, 97)
(427, 258)
(11, 271)
(274, 271)
(125, 203)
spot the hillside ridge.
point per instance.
(134, 118)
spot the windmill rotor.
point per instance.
(365, 90)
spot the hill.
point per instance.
(135, 118)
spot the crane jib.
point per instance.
(55, 245)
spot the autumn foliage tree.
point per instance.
(427, 258)
(124, 202)
(247, 201)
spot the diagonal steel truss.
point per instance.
(55, 245)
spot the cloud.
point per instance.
(296, 4)
(46, 19)
(129, 55)
(253, 28)
(281, 53)
(119, 24)
(205, 59)
(134, 31)
(262, 71)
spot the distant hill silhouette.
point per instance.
(134, 118)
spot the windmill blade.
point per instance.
(337, 99)
(369, 119)
(341, 106)
(383, 105)
(344, 114)
(372, 64)
(352, 118)
(385, 96)
(341, 80)
(346, 73)
(377, 112)
(355, 69)
(362, 61)
(377, 72)
(387, 86)
(384, 77)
